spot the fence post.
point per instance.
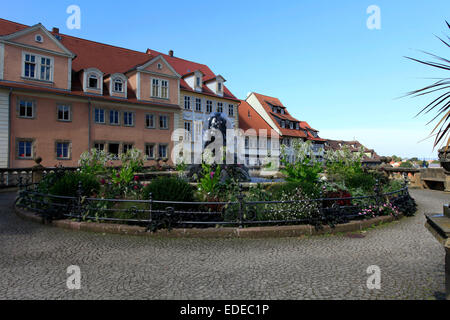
(79, 199)
(150, 217)
(377, 192)
(241, 206)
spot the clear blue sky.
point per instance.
(318, 57)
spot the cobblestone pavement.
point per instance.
(34, 260)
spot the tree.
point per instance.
(442, 102)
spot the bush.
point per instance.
(67, 184)
(169, 189)
(278, 189)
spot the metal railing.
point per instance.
(158, 214)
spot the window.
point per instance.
(197, 79)
(187, 132)
(118, 85)
(247, 142)
(63, 112)
(163, 151)
(30, 66)
(249, 115)
(37, 67)
(114, 117)
(128, 118)
(159, 66)
(219, 107)
(283, 124)
(219, 87)
(208, 106)
(99, 146)
(39, 38)
(163, 122)
(25, 149)
(93, 81)
(26, 109)
(297, 126)
(164, 89)
(291, 125)
(46, 67)
(127, 147)
(150, 151)
(113, 148)
(99, 115)
(187, 103)
(155, 87)
(198, 104)
(149, 120)
(230, 110)
(282, 111)
(63, 150)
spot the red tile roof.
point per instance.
(250, 119)
(111, 59)
(267, 102)
(185, 67)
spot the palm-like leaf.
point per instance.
(441, 104)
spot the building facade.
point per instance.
(61, 96)
(262, 112)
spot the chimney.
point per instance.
(171, 53)
(55, 30)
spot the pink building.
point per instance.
(61, 96)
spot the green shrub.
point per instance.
(67, 185)
(169, 189)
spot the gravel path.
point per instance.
(34, 260)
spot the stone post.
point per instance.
(37, 171)
(447, 270)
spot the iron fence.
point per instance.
(158, 214)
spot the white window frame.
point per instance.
(38, 64)
(188, 100)
(153, 151)
(69, 112)
(68, 150)
(118, 81)
(221, 107)
(89, 77)
(158, 86)
(231, 108)
(197, 104)
(167, 87)
(104, 116)
(132, 118)
(154, 120)
(209, 104)
(166, 122)
(118, 117)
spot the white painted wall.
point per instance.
(254, 102)
(4, 122)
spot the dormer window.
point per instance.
(219, 87)
(197, 81)
(291, 125)
(93, 82)
(297, 126)
(118, 85)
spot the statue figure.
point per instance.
(218, 122)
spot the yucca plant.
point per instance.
(441, 104)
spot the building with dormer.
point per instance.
(61, 95)
(260, 112)
(202, 93)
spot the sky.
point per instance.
(318, 57)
